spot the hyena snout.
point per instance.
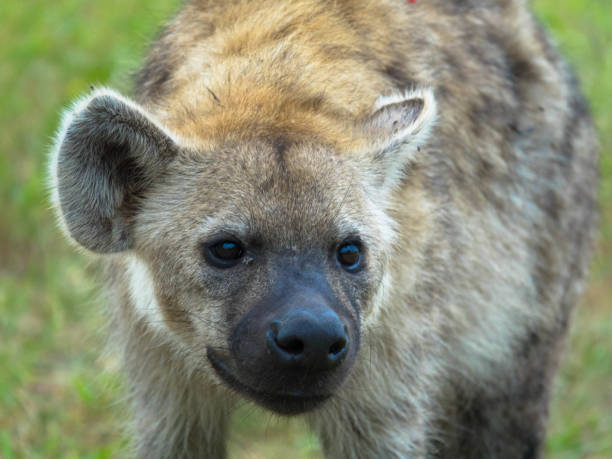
(292, 350)
(311, 338)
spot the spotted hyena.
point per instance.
(374, 214)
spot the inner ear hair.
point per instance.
(403, 117)
(399, 125)
(107, 152)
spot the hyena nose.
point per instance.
(302, 339)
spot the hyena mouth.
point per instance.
(281, 402)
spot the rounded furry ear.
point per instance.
(108, 151)
(400, 124)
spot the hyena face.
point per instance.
(265, 266)
(263, 257)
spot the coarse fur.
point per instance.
(447, 136)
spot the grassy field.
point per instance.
(57, 395)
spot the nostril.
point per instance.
(291, 345)
(337, 347)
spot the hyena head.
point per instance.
(263, 256)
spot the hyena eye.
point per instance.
(224, 254)
(349, 255)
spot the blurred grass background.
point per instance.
(58, 397)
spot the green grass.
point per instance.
(57, 395)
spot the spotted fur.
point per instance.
(448, 134)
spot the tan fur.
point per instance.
(478, 228)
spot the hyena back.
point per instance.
(376, 214)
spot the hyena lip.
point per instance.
(294, 402)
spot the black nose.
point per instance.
(303, 338)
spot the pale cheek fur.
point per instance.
(142, 294)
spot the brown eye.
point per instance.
(349, 256)
(224, 254)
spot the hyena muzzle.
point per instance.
(377, 215)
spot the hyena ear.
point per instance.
(400, 124)
(108, 151)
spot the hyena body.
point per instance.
(375, 213)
